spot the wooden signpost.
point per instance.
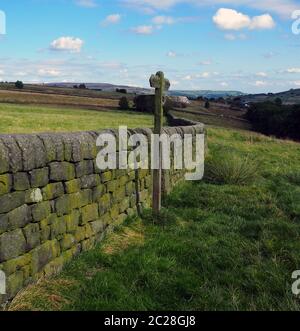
(161, 85)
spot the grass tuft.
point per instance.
(230, 169)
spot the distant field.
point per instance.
(56, 99)
(215, 121)
(30, 119)
(64, 91)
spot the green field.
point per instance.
(221, 247)
(30, 119)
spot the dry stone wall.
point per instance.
(56, 203)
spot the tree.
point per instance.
(75, 86)
(278, 102)
(121, 90)
(207, 104)
(123, 103)
(82, 86)
(19, 84)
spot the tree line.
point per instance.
(274, 118)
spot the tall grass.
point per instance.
(230, 169)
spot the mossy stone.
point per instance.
(73, 186)
(5, 183)
(53, 191)
(21, 181)
(89, 213)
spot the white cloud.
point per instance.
(188, 77)
(86, 3)
(171, 54)
(262, 22)
(48, 73)
(261, 74)
(293, 70)
(70, 44)
(205, 75)
(230, 19)
(281, 7)
(224, 84)
(160, 20)
(112, 19)
(296, 83)
(232, 36)
(269, 55)
(143, 29)
(260, 83)
(205, 63)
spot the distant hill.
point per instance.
(290, 97)
(104, 87)
(193, 94)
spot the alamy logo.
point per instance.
(296, 24)
(188, 152)
(2, 283)
(2, 22)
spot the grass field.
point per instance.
(216, 121)
(29, 98)
(221, 247)
(29, 119)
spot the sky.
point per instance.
(251, 46)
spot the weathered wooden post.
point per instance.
(161, 85)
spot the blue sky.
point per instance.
(200, 44)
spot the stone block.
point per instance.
(90, 181)
(58, 227)
(41, 211)
(80, 234)
(5, 183)
(32, 236)
(14, 284)
(104, 204)
(45, 230)
(98, 192)
(4, 158)
(84, 168)
(19, 217)
(67, 242)
(86, 197)
(39, 177)
(53, 191)
(124, 205)
(11, 201)
(112, 186)
(89, 213)
(3, 223)
(119, 194)
(21, 181)
(106, 176)
(97, 226)
(33, 196)
(73, 186)
(72, 221)
(12, 244)
(62, 171)
(13, 265)
(115, 211)
(43, 254)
